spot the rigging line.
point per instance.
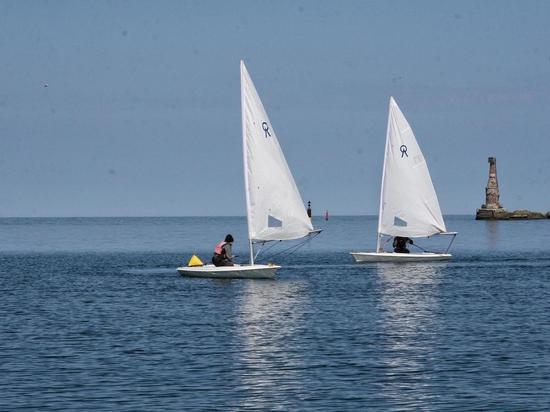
(294, 248)
(452, 240)
(421, 248)
(261, 249)
(290, 250)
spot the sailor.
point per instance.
(222, 253)
(400, 244)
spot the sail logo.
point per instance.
(265, 128)
(403, 150)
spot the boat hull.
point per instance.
(361, 257)
(230, 272)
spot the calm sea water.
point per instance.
(94, 316)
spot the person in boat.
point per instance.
(400, 244)
(222, 253)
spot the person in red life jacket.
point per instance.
(222, 253)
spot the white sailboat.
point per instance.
(275, 210)
(408, 202)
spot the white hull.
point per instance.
(230, 272)
(398, 257)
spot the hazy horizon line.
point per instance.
(192, 216)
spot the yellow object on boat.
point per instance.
(195, 261)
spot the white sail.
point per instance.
(274, 206)
(408, 203)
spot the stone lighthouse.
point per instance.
(491, 209)
(492, 193)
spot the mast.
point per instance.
(245, 164)
(378, 234)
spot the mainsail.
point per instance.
(274, 206)
(408, 202)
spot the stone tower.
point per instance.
(491, 191)
(491, 208)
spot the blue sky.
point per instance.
(127, 108)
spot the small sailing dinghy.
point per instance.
(274, 207)
(408, 202)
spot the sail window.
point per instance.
(274, 222)
(399, 222)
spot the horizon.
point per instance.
(221, 216)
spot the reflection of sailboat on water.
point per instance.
(409, 295)
(269, 316)
(408, 322)
(408, 202)
(274, 207)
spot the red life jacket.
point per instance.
(219, 248)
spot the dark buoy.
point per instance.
(326, 214)
(309, 209)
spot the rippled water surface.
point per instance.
(95, 317)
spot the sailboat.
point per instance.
(275, 210)
(408, 202)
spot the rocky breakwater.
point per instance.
(503, 214)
